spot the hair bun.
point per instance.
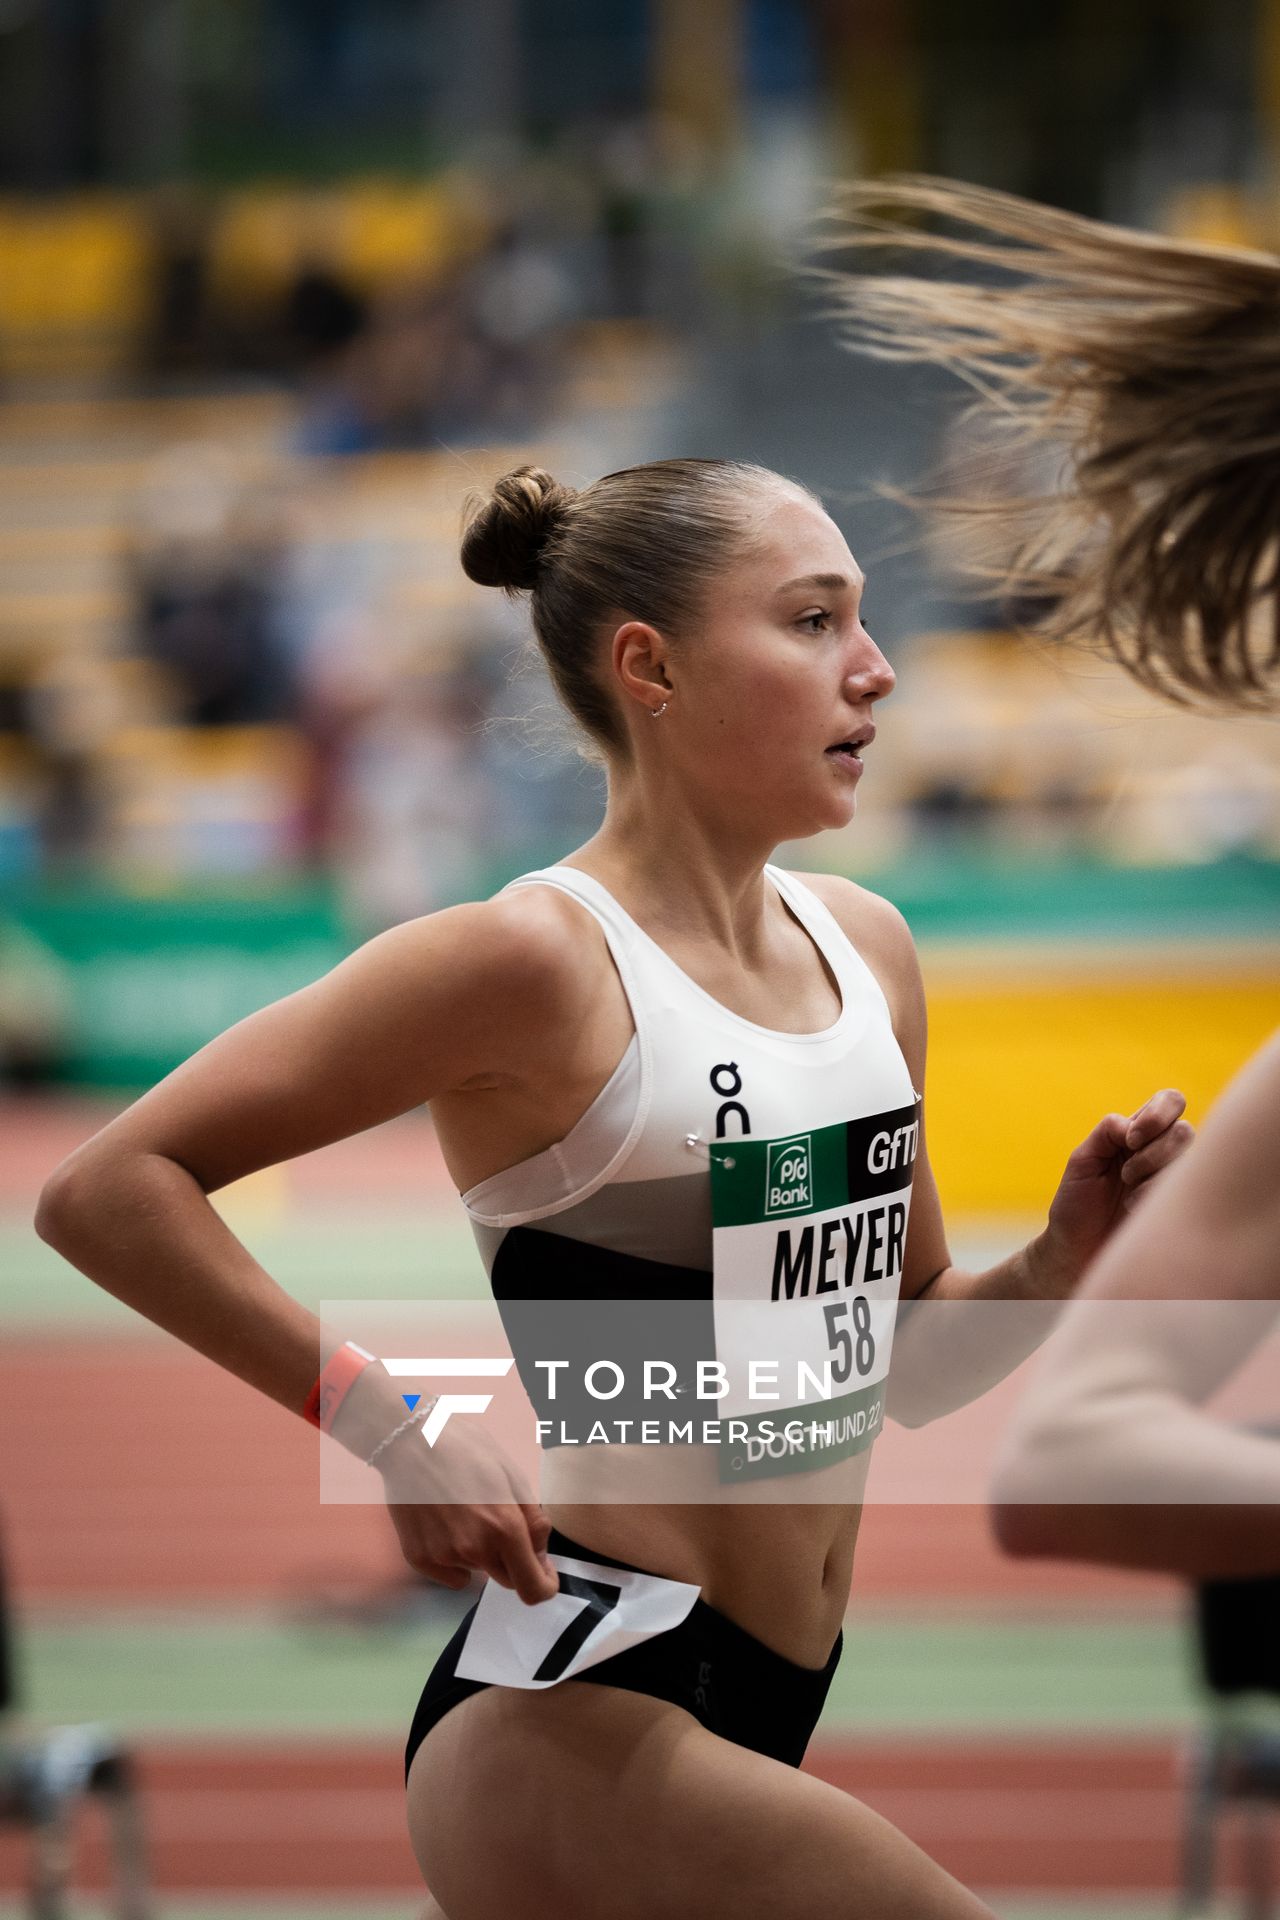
(505, 535)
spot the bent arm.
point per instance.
(1182, 1294)
(415, 1012)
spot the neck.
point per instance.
(697, 875)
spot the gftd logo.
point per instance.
(402, 1367)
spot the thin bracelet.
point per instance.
(417, 1414)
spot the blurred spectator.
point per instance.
(477, 353)
(184, 338)
(73, 706)
(322, 315)
(205, 580)
(626, 170)
(519, 303)
(414, 812)
(412, 377)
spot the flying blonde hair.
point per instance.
(1149, 369)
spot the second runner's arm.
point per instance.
(1112, 1456)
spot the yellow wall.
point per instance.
(1019, 1073)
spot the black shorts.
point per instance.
(721, 1674)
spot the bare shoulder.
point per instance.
(517, 965)
(558, 948)
(874, 926)
(536, 942)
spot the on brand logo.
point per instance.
(727, 1081)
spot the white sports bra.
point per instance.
(625, 1180)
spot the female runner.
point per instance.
(1150, 369)
(703, 623)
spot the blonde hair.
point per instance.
(1150, 367)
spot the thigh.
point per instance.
(585, 1800)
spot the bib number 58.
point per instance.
(854, 1348)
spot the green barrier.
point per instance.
(969, 896)
(965, 893)
(141, 982)
(146, 981)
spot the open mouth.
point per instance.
(849, 752)
(846, 752)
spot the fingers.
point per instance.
(505, 1537)
(1155, 1117)
(495, 1540)
(532, 1574)
(1165, 1148)
(506, 1554)
(1125, 1137)
(1101, 1146)
(1154, 1137)
(539, 1526)
(427, 1548)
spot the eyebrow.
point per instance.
(829, 582)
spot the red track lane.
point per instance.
(1039, 1815)
(137, 1470)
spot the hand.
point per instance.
(1105, 1177)
(492, 1522)
(457, 1505)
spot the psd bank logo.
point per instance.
(788, 1186)
(402, 1368)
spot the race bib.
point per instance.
(809, 1236)
(598, 1612)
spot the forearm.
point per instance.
(1199, 1543)
(1140, 1479)
(142, 1228)
(952, 1343)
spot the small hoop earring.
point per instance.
(655, 712)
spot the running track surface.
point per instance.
(999, 1814)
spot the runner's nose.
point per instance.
(869, 672)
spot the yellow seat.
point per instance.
(76, 290)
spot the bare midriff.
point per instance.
(781, 1572)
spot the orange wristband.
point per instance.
(337, 1377)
